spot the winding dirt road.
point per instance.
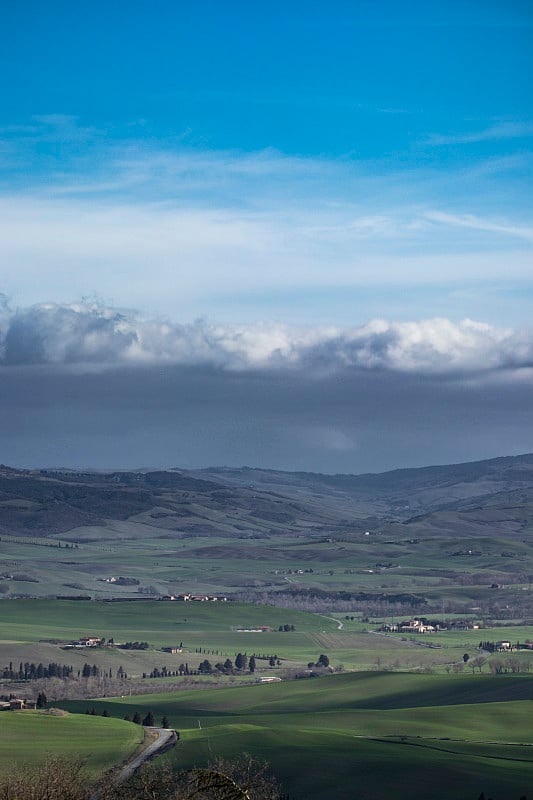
(165, 739)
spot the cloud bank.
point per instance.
(89, 385)
(91, 335)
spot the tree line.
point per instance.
(33, 672)
(242, 664)
(148, 720)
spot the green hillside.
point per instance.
(32, 736)
(472, 733)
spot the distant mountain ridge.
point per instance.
(454, 531)
(232, 500)
(402, 492)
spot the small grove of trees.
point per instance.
(242, 662)
(163, 672)
(286, 628)
(497, 666)
(321, 663)
(94, 671)
(89, 671)
(122, 581)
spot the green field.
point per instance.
(458, 735)
(449, 568)
(431, 540)
(400, 719)
(30, 631)
(30, 736)
(469, 731)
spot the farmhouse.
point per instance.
(90, 641)
(87, 641)
(186, 597)
(412, 626)
(422, 625)
(262, 629)
(416, 626)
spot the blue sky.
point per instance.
(285, 172)
(356, 140)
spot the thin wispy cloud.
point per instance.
(185, 223)
(502, 130)
(478, 224)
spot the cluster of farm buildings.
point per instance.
(198, 598)
(16, 704)
(86, 641)
(425, 626)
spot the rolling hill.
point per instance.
(435, 536)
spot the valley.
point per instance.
(311, 655)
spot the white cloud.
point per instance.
(91, 335)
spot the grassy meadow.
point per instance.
(405, 716)
(32, 630)
(459, 734)
(366, 733)
(30, 736)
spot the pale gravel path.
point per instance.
(164, 741)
